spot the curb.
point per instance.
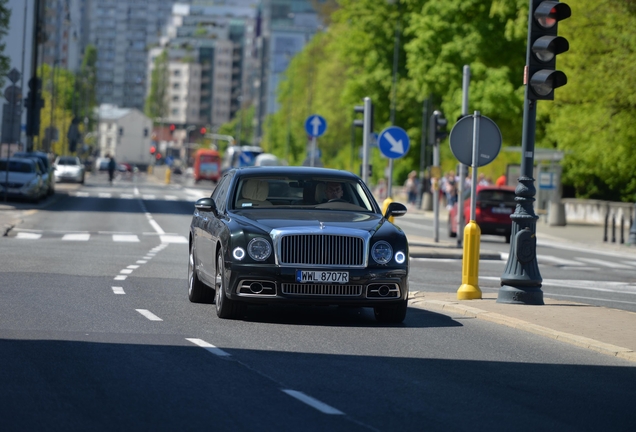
(468, 311)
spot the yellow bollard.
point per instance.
(149, 169)
(168, 175)
(385, 205)
(469, 289)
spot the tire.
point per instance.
(198, 292)
(225, 307)
(391, 314)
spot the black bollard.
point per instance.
(605, 227)
(613, 228)
(622, 226)
(632, 231)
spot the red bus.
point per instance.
(207, 165)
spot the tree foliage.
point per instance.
(5, 17)
(590, 118)
(156, 105)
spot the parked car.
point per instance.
(23, 179)
(48, 174)
(269, 235)
(493, 208)
(69, 168)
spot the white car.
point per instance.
(69, 168)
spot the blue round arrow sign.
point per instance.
(393, 142)
(315, 125)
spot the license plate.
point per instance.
(502, 210)
(322, 276)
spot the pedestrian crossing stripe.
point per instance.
(84, 237)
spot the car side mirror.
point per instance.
(395, 209)
(206, 205)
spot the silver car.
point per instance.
(69, 168)
(21, 178)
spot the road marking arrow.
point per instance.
(396, 146)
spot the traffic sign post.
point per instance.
(393, 143)
(475, 141)
(315, 126)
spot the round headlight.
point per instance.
(381, 252)
(259, 249)
(238, 253)
(400, 257)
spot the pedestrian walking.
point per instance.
(410, 187)
(111, 168)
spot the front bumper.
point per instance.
(68, 177)
(368, 287)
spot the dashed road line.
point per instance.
(118, 290)
(209, 347)
(312, 402)
(149, 315)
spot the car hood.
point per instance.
(15, 177)
(268, 220)
(68, 168)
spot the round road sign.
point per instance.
(461, 140)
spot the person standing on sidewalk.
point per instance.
(111, 168)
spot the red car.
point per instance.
(494, 206)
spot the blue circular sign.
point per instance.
(393, 142)
(315, 125)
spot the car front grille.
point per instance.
(322, 250)
(12, 185)
(322, 290)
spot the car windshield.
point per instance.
(301, 192)
(67, 161)
(40, 156)
(17, 166)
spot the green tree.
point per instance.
(5, 16)
(592, 117)
(157, 101)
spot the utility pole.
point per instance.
(34, 102)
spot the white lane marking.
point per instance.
(589, 285)
(104, 195)
(149, 315)
(136, 191)
(173, 239)
(118, 290)
(156, 226)
(141, 261)
(125, 271)
(209, 347)
(133, 267)
(76, 237)
(125, 238)
(314, 403)
(171, 198)
(604, 263)
(557, 260)
(127, 196)
(82, 194)
(120, 277)
(148, 197)
(28, 236)
(147, 258)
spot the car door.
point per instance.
(210, 227)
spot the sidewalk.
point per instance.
(605, 330)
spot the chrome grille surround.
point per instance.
(328, 247)
(318, 290)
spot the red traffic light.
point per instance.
(158, 156)
(153, 149)
(172, 128)
(203, 131)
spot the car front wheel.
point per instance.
(198, 292)
(225, 307)
(391, 314)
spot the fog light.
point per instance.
(239, 253)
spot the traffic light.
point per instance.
(360, 122)
(203, 131)
(172, 128)
(437, 128)
(367, 127)
(153, 149)
(543, 47)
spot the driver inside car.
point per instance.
(333, 191)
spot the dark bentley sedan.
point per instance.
(297, 235)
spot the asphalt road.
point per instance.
(96, 332)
